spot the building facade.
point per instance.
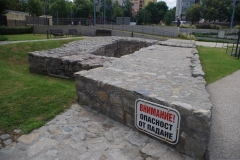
(181, 8)
(139, 4)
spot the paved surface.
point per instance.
(83, 134)
(225, 137)
(210, 44)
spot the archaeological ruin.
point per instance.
(113, 73)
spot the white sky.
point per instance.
(170, 3)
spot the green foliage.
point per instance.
(237, 13)
(157, 11)
(186, 36)
(3, 6)
(27, 100)
(194, 13)
(143, 16)
(208, 26)
(17, 5)
(83, 8)
(216, 9)
(15, 30)
(127, 8)
(168, 18)
(109, 8)
(118, 10)
(3, 38)
(187, 26)
(62, 7)
(35, 8)
(216, 63)
(237, 27)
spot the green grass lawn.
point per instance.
(217, 63)
(27, 100)
(31, 36)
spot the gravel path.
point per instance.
(225, 137)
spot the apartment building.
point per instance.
(139, 4)
(181, 7)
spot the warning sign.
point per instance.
(159, 121)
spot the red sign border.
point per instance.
(161, 106)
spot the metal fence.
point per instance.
(37, 20)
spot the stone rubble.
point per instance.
(84, 54)
(162, 74)
(82, 133)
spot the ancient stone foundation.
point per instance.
(83, 55)
(169, 74)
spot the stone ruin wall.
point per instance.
(111, 90)
(83, 55)
(100, 88)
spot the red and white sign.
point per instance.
(157, 120)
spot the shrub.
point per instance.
(237, 27)
(210, 26)
(203, 26)
(15, 30)
(2, 38)
(187, 26)
(186, 36)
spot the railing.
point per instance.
(154, 30)
(37, 20)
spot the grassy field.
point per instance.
(27, 100)
(217, 63)
(23, 37)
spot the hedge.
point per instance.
(2, 38)
(15, 30)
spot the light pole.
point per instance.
(94, 18)
(122, 14)
(104, 12)
(233, 14)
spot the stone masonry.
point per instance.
(168, 74)
(83, 55)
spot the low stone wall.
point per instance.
(169, 75)
(83, 55)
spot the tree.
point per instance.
(143, 16)
(62, 7)
(157, 11)
(216, 9)
(118, 10)
(237, 13)
(17, 5)
(109, 9)
(127, 7)
(35, 8)
(169, 17)
(83, 8)
(3, 6)
(194, 12)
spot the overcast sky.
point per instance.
(170, 3)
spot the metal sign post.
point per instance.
(157, 120)
(237, 50)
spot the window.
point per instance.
(186, 3)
